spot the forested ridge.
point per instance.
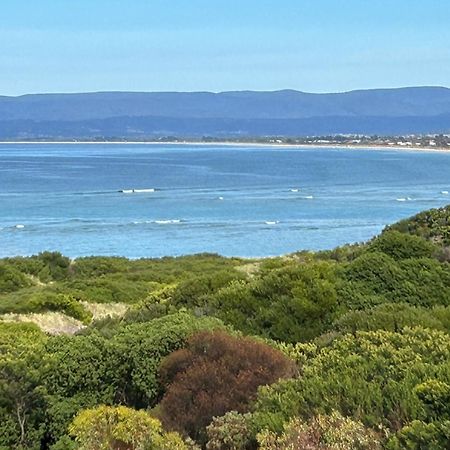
(238, 114)
(341, 349)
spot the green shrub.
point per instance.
(389, 317)
(11, 279)
(369, 376)
(144, 345)
(419, 435)
(56, 266)
(402, 246)
(291, 304)
(435, 396)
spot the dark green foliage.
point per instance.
(97, 266)
(376, 272)
(420, 435)
(402, 246)
(194, 291)
(22, 359)
(12, 279)
(294, 303)
(377, 278)
(46, 266)
(84, 372)
(56, 265)
(109, 289)
(345, 253)
(392, 317)
(435, 396)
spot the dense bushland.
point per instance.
(343, 349)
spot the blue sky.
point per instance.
(216, 45)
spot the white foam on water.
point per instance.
(136, 191)
(444, 192)
(166, 222)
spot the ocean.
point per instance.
(164, 200)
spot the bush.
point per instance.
(435, 396)
(332, 432)
(144, 345)
(193, 292)
(376, 272)
(232, 431)
(402, 246)
(292, 304)
(375, 277)
(419, 435)
(389, 317)
(433, 224)
(11, 279)
(97, 266)
(214, 374)
(370, 376)
(107, 427)
(56, 266)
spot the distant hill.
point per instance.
(243, 113)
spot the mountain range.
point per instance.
(135, 115)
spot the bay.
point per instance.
(233, 200)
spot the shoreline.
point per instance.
(236, 144)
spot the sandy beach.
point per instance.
(236, 144)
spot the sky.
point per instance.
(219, 45)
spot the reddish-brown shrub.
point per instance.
(214, 374)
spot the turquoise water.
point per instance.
(243, 201)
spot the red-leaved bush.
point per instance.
(214, 374)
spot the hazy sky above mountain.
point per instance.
(216, 45)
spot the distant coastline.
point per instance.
(237, 144)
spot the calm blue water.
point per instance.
(242, 201)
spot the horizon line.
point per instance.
(226, 91)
